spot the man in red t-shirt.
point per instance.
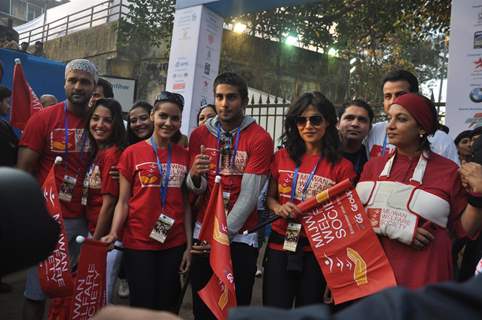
(59, 131)
(245, 151)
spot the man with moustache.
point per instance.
(59, 131)
(354, 122)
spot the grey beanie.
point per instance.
(82, 65)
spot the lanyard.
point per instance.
(307, 183)
(384, 147)
(164, 182)
(66, 141)
(232, 157)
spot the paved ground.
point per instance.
(11, 303)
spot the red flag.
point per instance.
(54, 272)
(206, 233)
(346, 247)
(24, 101)
(219, 294)
(90, 289)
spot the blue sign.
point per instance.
(44, 76)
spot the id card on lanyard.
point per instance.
(231, 159)
(164, 223)
(293, 230)
(70, 180)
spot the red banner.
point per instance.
(24, 100)
(54, 272)
(206, 233)
(90, 289)
(346, 248)
(219, 294)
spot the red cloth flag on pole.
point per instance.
(54, 272)
(90, 288)
(345, 245)
(206, 233)
(219, 294)
(24, 101)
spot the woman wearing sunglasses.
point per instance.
(153, 211)
(309, 163)
(414, 197)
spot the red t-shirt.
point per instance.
(45, 134)
(417, 268)
(326, 175)
(101, 183)
(254, 154)
(139, 166)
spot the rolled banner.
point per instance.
(324, 195)
(309, 204)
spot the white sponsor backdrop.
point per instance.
(194, 59)
(124, 91)
(464, 88)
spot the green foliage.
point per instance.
(148, 24)
(380, 34)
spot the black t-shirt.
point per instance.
(8, 145)
(358, 159)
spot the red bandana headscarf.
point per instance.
(421, 108)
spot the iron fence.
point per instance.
(93, 16)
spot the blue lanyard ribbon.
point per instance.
(307, 183)
(66, 142)
(163, 176)
(384, 147)
(232, 157)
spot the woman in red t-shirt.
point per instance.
(309, 163)
(414, 197)
(153, 211)
(107, 137)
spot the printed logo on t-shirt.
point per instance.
(75, 140)
(148, 174)
(318, 184)
(239, 164)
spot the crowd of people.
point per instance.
(142, 186)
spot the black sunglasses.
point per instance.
(314, 120)
(171, 97)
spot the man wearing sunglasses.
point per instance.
(233, 146)
(394, 84)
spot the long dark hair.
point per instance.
(131, 136)
(118, 136)
(330, 143)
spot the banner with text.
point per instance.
(90, 289)
(54, 272)
(346, 248)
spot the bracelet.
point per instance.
(475, 201)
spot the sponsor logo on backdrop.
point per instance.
(478, 40)
(476, 95)
(475, 121)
